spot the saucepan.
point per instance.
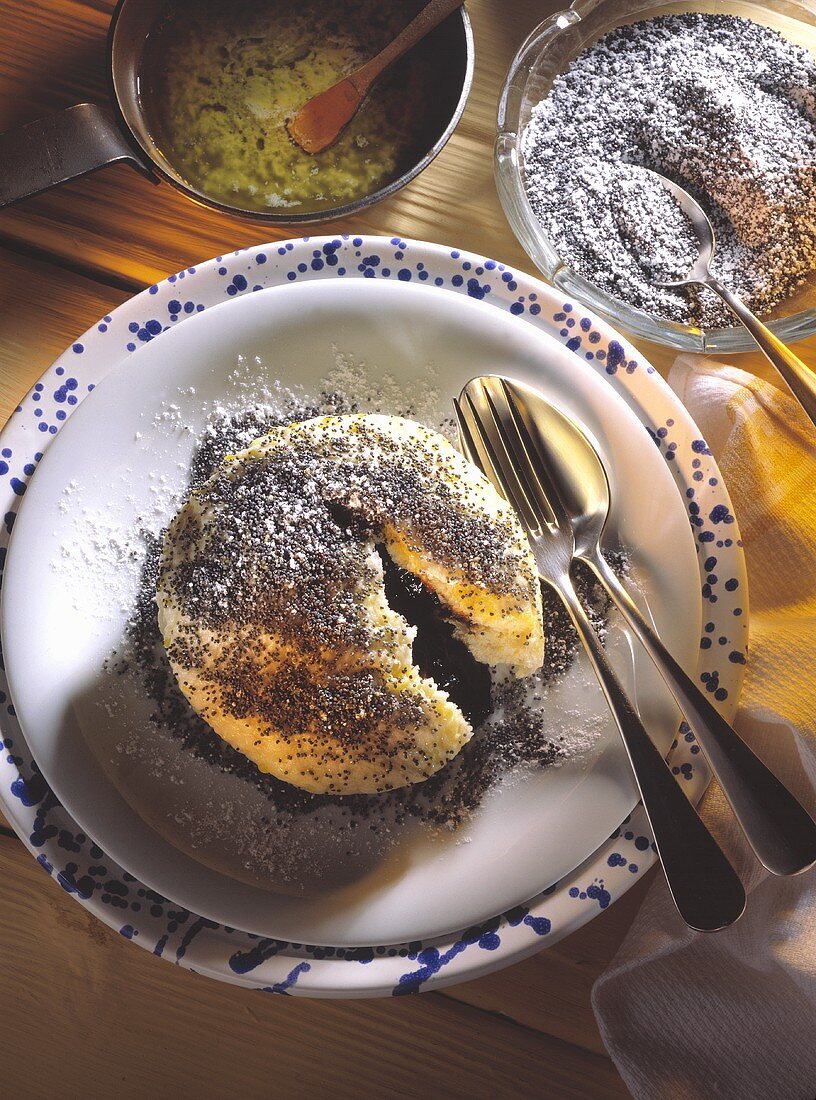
(89, 136)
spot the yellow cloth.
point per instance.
(686, 1015)
(766, 450)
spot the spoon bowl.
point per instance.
(577, 468)
(703, 231)
(801, 380)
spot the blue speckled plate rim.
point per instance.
(82, 869)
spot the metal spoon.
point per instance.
(779, 829)
(799, 377)
(705, 888)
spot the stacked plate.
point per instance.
(102, 446)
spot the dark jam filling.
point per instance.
(437, 653)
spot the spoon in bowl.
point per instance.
(799, 377)
(779, 829)
(320, 122)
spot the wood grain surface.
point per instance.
(83, 1011)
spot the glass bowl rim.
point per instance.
(519, 213)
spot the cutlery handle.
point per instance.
(705, 888)
(800, 378)
(779, 829)
(423, 23)
(60, 147)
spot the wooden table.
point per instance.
(82, 1010)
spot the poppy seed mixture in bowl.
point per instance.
(720, 104)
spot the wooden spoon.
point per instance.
(320, 122)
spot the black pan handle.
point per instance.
(61, 147)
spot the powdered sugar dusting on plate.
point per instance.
(204, 795)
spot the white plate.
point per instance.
(523, 838)
(73, 859)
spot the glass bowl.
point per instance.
(546, 53)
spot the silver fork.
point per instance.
(706, 890)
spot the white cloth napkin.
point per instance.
(684, 1015)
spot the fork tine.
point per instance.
(494, 461)
(537, 455)
(469, 449)
(496, 395)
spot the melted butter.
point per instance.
(221, 79)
